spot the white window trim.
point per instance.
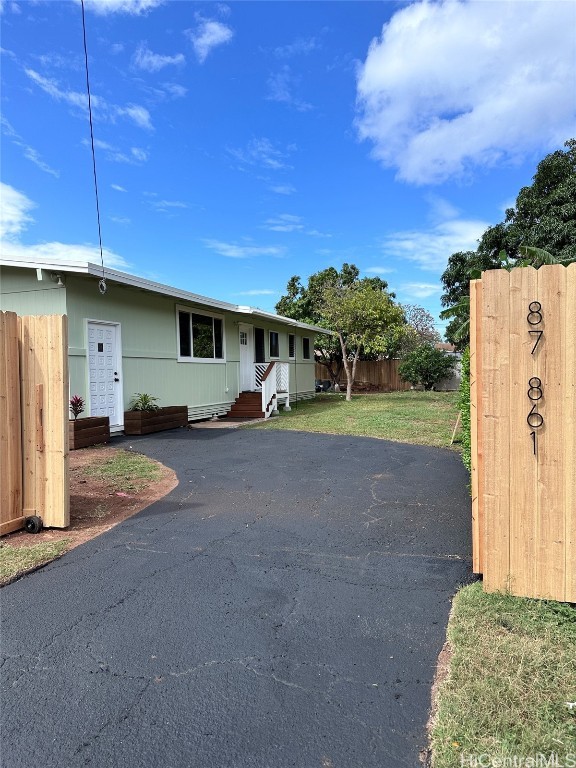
(198, 311)
(309, 348)
(292, 357)
(274, 357)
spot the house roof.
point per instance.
(124, 278)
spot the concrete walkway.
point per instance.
(283, 606)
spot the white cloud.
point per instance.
(137, 114)
(431, 248)
(420, 290)
(257, 292)
(145, 59)
(29, 152)
(285, 222)
(300, 46)
(207, 36)
(283, 189)
(166, 205)
(15, 207)
(101, 108)
(481, 85)
(120, 219)
(136, 155)
(281, 87)
(379, 270)
(175, 90)
(262, 152)
(234, 251)
(133, 7)
(117, 187)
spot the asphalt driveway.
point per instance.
(283, 606)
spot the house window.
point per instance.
(291, 346)
(274, 344)
(259, 345)
(200, 337)
(243, 339)
(306, 348)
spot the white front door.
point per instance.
(104, 371)
(246, 357)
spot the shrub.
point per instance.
(464, 406)
(426, 365)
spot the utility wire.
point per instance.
(102, 284)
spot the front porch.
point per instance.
(271, 389)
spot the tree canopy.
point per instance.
(544, 216)
(308, 305)
(361, 314)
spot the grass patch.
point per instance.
(425, 418)
(15, 560)
(126, 471)
(511, 676)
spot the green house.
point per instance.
(128, 334)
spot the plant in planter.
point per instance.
(91, 430)
(143, 402)
(145, 416)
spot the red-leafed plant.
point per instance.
(76, 405)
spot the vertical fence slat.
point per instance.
(523, 463)
(27, 369)
(10, 432)
(475, 353)
(57, 497)
(569, 448)
(550, 525)
(495, 433)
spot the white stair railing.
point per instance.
(259, 371)
(269, 392)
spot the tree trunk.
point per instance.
(351, 374)
(346, 368)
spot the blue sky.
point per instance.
(239, 144)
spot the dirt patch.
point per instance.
(95, 504)
(442, 669)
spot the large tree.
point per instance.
(544, 216)
(307, 304)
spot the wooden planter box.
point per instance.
(92, 430)
(145, 422)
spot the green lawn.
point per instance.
(512, 677)
(425, 418)
(16, 560)
(126, 471)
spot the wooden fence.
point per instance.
(523, 430)
(33, 420)
(382, 374)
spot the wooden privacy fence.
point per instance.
(523, 430)
(33, 420)
(382, 374)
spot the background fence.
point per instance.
(33, 420)
(523, 409)
(381, 374)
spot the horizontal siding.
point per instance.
(23, 293)
(149, 340)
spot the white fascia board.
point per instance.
(284, 320)
(95, 270)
